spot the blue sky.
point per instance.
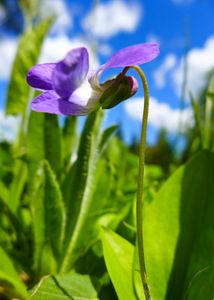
(115, 24)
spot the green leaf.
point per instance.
(14, 224)
(208, 123)
(3, 192)
(106, 135)
(138, 287)
(35, 144)
(10, 278)
(111, 208)
(211, 86)
(54, 210)
(69, 139)
(198, 118)
(78, 187)
(65, 287)
(211, 96)
(53, 142)
(197, 287)
(18, 184)
(118, 255)
(48, 216)
(27, 56)
(5, 239)
(179, 233)
(43, 142)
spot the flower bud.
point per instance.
(117, 90)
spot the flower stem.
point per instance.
(139, 203)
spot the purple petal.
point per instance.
(71, 72)
(133, 55)
(40, 76)
(50, 102)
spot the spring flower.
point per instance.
(70, 88)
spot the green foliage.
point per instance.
(118, 254)
(9, 277)
(48, 220)
(65, 287)
(201, 136)
(78, 187)
(44, 141)
(17, 185)
(162, 153)
(27, 56)
(210, 91)
(60, 188)
(198, 120)
(179, 232)
(69, 139)
(78, 191)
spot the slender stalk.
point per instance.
(139, 203)
(197, 117)
(208, 122)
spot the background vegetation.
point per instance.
(67, 203)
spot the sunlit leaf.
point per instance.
(118, 254)
(14, 224)
(10, 278)
(78, 188)
(89, 210)
(65, 287)
(43, 142)
(198, 118)
(69, 139)
(179, 233)
(18, 184)
(48, 217)
(27, 55)
(3, 191)
(106, 135)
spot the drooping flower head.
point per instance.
(70, 88)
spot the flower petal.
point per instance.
(71, 72)
(50, 102)
(40, 76)
(133, 55)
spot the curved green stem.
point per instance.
(139, 203)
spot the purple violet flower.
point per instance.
(69, 88)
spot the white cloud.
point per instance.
(161, 115)
(153, 38)
(200, 62)
(61, 45)
(110, 18)
(105, 49)
(164, 69)
(9, 126)
(54, 49)
(60, 10)
(8, 48)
